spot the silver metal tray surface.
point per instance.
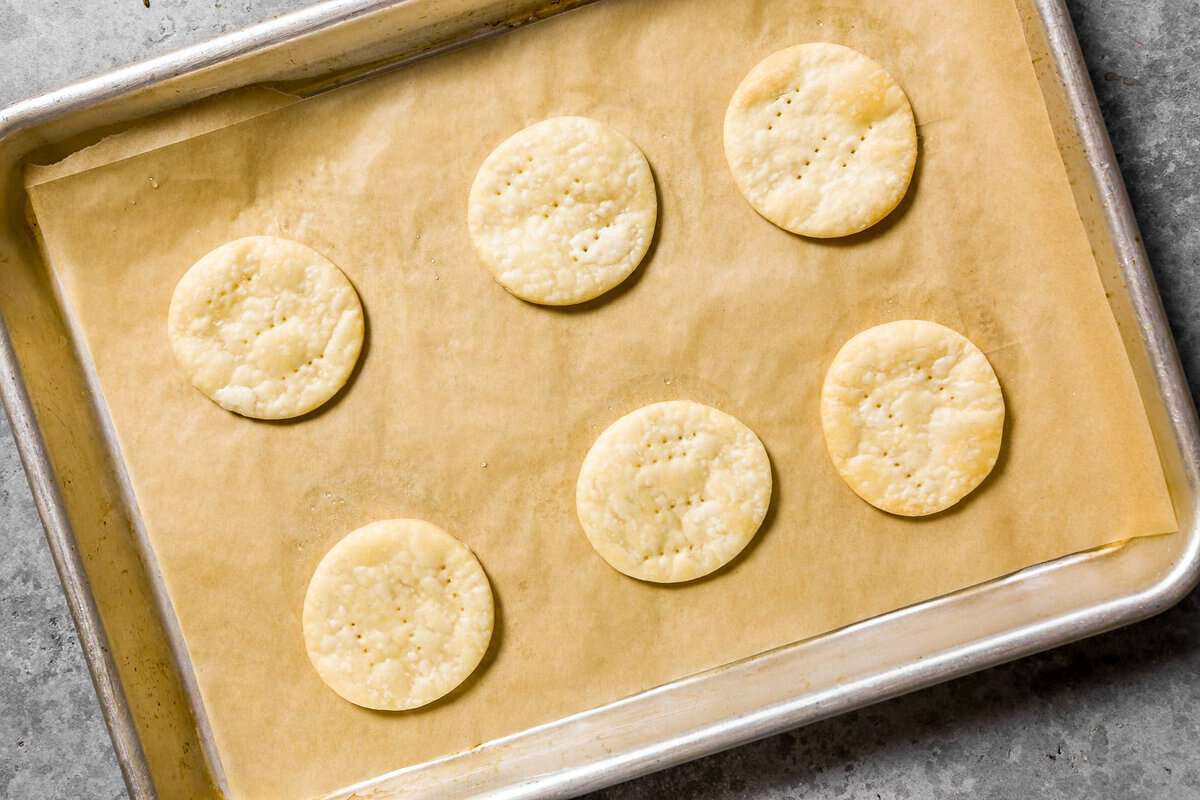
(152, 711)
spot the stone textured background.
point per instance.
(1116, 717)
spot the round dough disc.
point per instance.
(673, 491)
(821, 140)
(913, 416)
(563, 211)
(266, 327)
(397, 614)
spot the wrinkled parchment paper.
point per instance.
(474, 410)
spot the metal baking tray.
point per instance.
(124, 621)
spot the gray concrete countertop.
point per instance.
(1117, 716)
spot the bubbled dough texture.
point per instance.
(913, 416)
(821, 140)
(397, 614)
(673, 491)
(266, 327)
(563, 210)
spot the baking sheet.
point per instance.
(473, 409)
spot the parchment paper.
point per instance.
(209, 114)
(474, 410)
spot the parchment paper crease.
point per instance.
(473, 409)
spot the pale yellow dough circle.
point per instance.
(821, 140)
(266, 327)
(563, 210)
(673, 491)
(397, 614)
(913, 416)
